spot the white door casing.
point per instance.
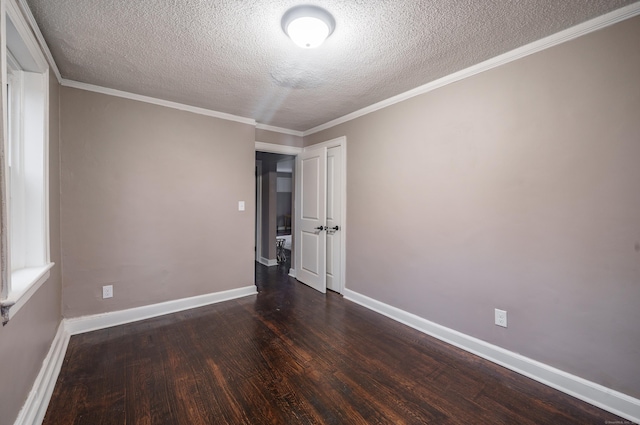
(311, 240)
(258, 241)
(334, 219)
(282, 150)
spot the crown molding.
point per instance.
(579, 30)
(155, 101)
(279, 130)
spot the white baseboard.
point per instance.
(94, 322)
(605, 398)
(35, 406)
(267, 262)
(292, 273)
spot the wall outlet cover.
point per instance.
(501, 318)
(107, 291)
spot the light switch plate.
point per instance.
(240, 205)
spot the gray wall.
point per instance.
(518, 188)
(25, 340)
(149, 203)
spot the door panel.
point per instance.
(330, 262)
(311, 189)
(310, 246)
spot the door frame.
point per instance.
(258, 226)
(282, 150)
(339, 141)
(293, 150)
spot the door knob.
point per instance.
(334, 228)
(321, 228)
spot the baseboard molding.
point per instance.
(292, 272)
(35, 406)
(100, 321)
(605, 398)
(267, 262)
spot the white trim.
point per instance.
(94, 322)
(155, 101)
(12, 62)
(267, 262)
(35, 406)
(46, 212)
(605, 398)
(37, 401)
(292, 273)
(343, 229)
(35, 89)
(17, 299)
(31, 20)
(258, 253)
(579, 30)
(5, 240)
(279, 130)
(281, 149)
(531, 48)
(25, 32)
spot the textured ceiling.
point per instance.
(232, 56)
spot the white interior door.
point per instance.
(334, 219)
(311, 236)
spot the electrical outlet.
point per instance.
(501, 318)
(107, 291)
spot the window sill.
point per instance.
(24, 283)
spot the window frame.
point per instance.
(22, 55)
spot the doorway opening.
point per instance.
(316, 220)
(274, 209)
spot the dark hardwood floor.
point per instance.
(291, 355)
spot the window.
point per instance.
(26, 164)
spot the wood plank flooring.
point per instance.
(291, 355)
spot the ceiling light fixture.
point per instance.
(308, 26)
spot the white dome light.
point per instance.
(308, 26)
(308, 32)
